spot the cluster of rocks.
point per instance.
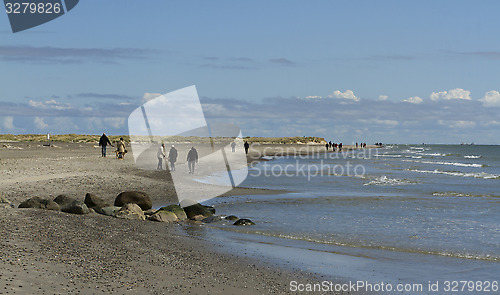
(132, 205)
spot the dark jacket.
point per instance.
(192, 155)
(104, 140)
(172, 155)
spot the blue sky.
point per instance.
(390, 71)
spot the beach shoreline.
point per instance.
(59, 253)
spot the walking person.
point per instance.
(172, 157)
(192, 158)
(247, 146)
(233, 146)
(103, 142)
(121, 149)
(161, 155)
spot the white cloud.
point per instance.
(348, 94)
(313, 97)
(457, 124)
(414, 100)
(49, 104)
(491, 99)
(115, 122)
(382, 97)
(39, 123)
(457, 93)
(8, 123)
(149, 96)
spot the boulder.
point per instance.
(64, 201)
(76, 207)
(197, 210)
(130, 211)
(108, 211)
(93, 201)
(212, 219)
(231, 218)
(210, 208)
(243, 221)
(139, 198)
(164, 216)
(150, 212)
(39, 203)
(177, 210)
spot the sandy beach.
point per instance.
(48, 252)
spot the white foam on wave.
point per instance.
(472, 157)
(389, 156)
(449, 163)
(483, 175)
(384, 180)
(433, 154)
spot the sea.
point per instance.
(418, 219)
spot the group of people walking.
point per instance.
(120, 150)
(192, 158)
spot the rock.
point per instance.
(108, 211)
(231, 218)
(179, 212)
(64, 201)
(39, 203)
(150, 212)
(93, 201)
(139, 198)
(212, 219)
(195, 210)
(164, 216)
(210, 208)
(76, 207)
(130, 211)
(243, 221)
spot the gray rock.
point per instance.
(212, 219)
(64, 201)
(197, 210)
(231, 218)
(130, 211)
(139, 198)
(39, 203)
(164, 216)
(210, 208)
(243, 221)
(76, 207)
(93, 201)
(109, 211)
(177, 210)
(150, 212)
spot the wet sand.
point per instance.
(47, 252)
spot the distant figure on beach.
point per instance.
(327, 145)
(103, 142)
(330, 144)
(121, 149)
(247, 146)
(357, 145)
(172, 157)
(192, 158)
(160, 155)
(340, 147)
(233, 146)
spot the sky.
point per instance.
(348, 71)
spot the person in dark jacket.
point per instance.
(172, 157)
(247, 146)
(192, 157)
(103, 142)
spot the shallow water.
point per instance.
(404, 212)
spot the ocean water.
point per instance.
(402, 213)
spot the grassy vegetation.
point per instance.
(81, 138)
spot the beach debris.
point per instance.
(76, 207)
(108, 211)
(139, 198)
(197, 211)
(130, 211)
(244, 221)
(164, 216)
(232, 218)
(39, 203)
(64, 200)
(93, 201)
(210, 208)
(177, 210)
